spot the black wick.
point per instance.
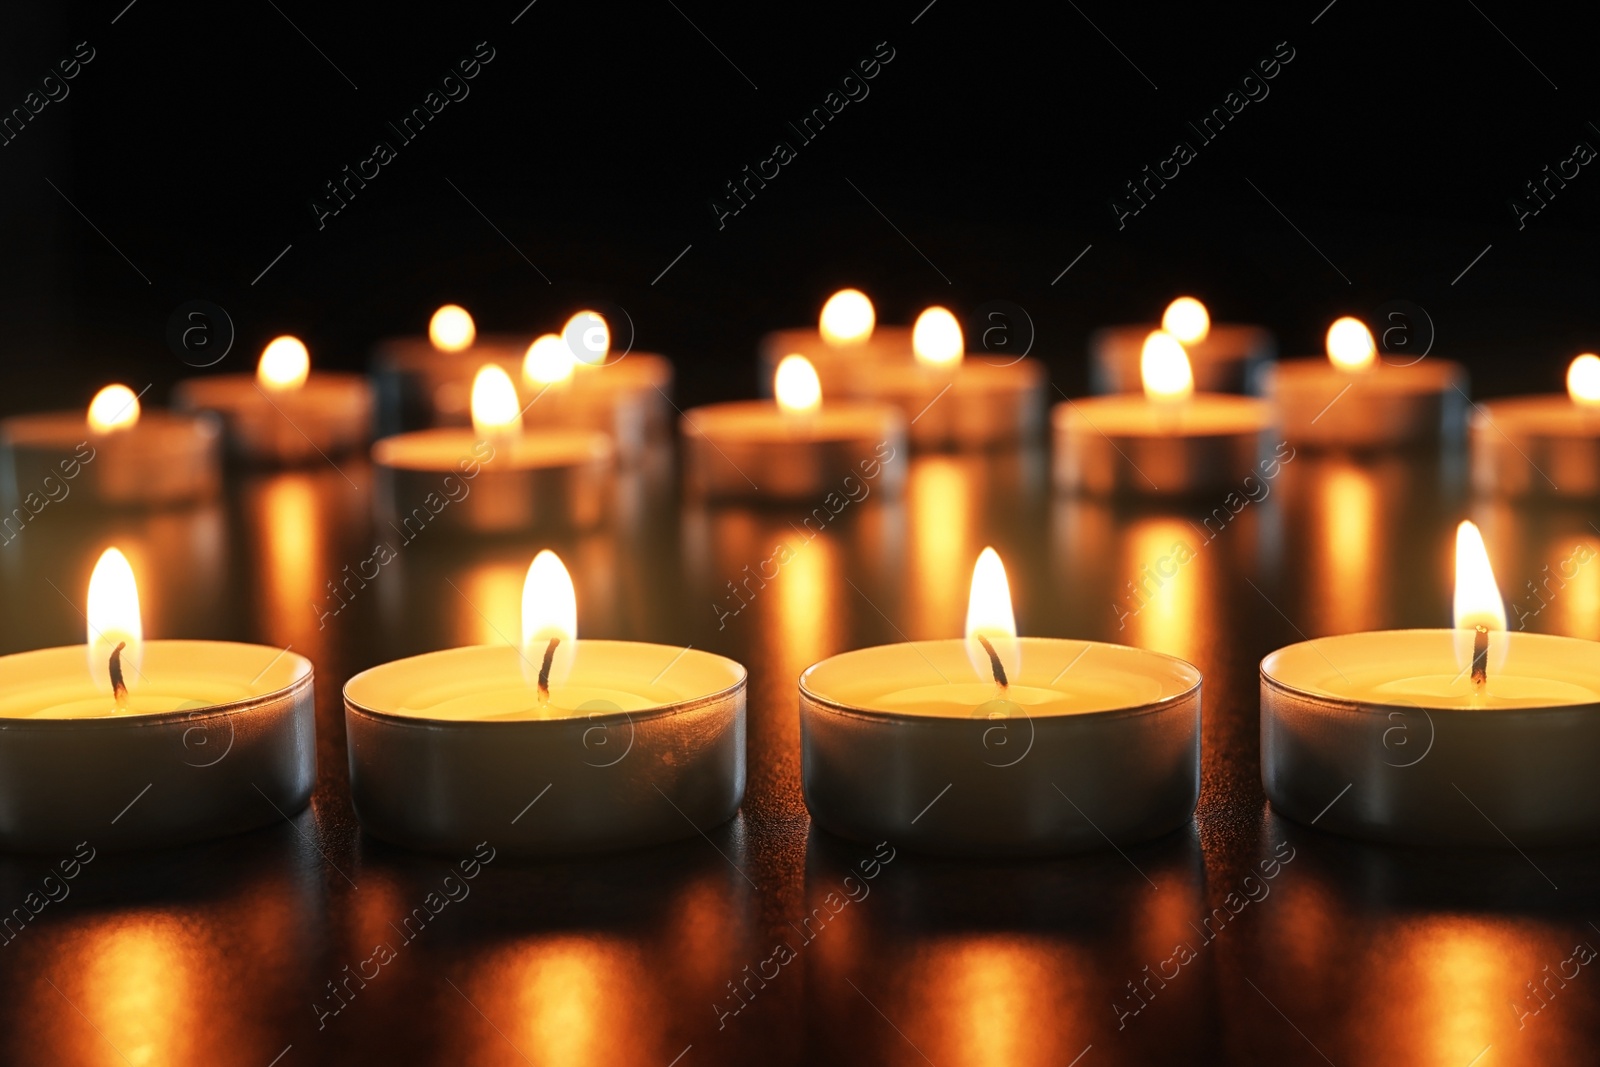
(1480, 657)
(119, 688)
(544, 670)
(994, 662)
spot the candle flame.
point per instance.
(796, 385)
(114, 619)
(1187, 320)
(847, 318)
(1164, 368)
(549, 361)
(1477, 599)
(1350, 344)
(451, 329)
(1583, 380)
(588, 338)
(116, 407)
(549, 613)
(989, 616)
(936, 338)
(285, 364)
(495, 410)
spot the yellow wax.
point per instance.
(54, 683)
(937, 679)
(960, 700)
(1502, 691)
(521, 702)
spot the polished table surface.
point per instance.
(726, 947)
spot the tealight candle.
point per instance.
(1351, 400)
(1170, 441)
(556, 395)
(119, 455)
(494, 478)
(1542, 446)
(638, 382)
(847, 337)
(1470, 736)
(284, 414)
(1227, 357)
(555, 746)
(1043, 746)
(427, 381)
(132, 743)
(949, 400)
(793, 449)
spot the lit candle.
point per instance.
(1472, 736)
(949, 400)
(847, 337)
(427, 381)
(638, 383)
(1353, 400)
(120, 455)
(1542, 446)
(136, 743)
(557, 396)
(795, 448)
(1227, 357)
(1170, 441)
(284, 414)
(1043, 745)
(494, 478)
(555, 745)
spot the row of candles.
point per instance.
(559, 417)
(450, 746)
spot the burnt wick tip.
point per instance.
(119, 688)
(994, 662)
(544, 669)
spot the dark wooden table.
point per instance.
(226, 953)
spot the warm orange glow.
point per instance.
(1477, 600)
(796, 385)
(936, 338)
(588, 338)
(989, 614)
(1350, 345)
(116, 407)
(285, 364)
(1187, 320)
(1164, 368)
(549, 362)
(1583, 380)
(451, 329)
(495, 411)
(847, 318)
(113, 614)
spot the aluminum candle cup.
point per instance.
(164, 459)
(1127, 444)
(640, 744)
(218, 738)
(756, 450)
(1381, 735)
(909, 743)
(329, 415)
(1229, 359)
(1321, 406)
(1536, 446)
(455, 481)
(974, 404)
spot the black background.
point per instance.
(595, 140)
